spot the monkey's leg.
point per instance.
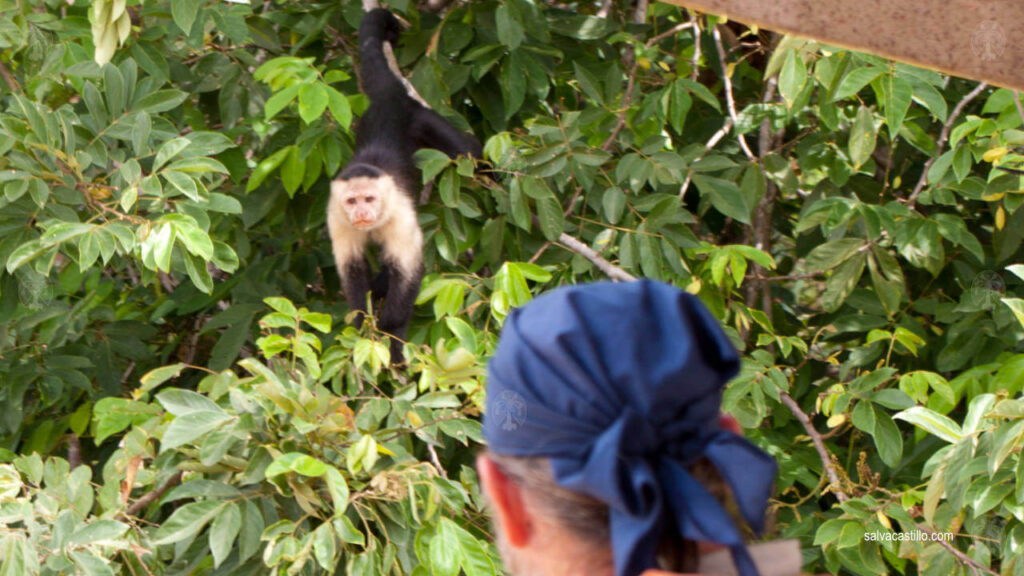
(379, 286)
(401, 242)
(398, 305)
(355, 280)
(430, 130)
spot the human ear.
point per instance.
(507, 503)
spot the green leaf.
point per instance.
(962, 162)
(158, 376)
(855, 81)
(347, 532)
(549, 212)
(113, 415)
(159, 101)
(182, 402)
(296, 462)
(195, 240)
(325, 547)
(842, 282)
(280, 101)
(223, 532)
(792, 77)
(510, 31)
(613, 202)
(339, 106)
(862, 137)
(829, 531)
(338, 489)
(1016, 305)
(266, 168)
(184, 13)
(474, 559)
(186, 522)
(188, 427)
(831, 254)
(64, 231)
(89, 564)
(292, 170)
(888, 439)
(1005, 439)
(589, 83)
(313, 99)
(898, 94)
(182, 183)
(99, 531)
(931, 422)
(725, 196)
(444, 550)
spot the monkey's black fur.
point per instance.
(387, 136)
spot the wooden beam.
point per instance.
(976, 39)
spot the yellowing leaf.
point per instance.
(1000, 218)
(836, 420)
(884, 520)
(993, 154)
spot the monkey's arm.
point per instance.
(430, 130)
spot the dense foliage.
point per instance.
(181, 394)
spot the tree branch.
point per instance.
(695, 60)
(943, 137)
(611, 270)
(727, 81)
(711, 143)
(819, 445)
(149, 497)
(971, 563)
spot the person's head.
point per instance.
(605, 435)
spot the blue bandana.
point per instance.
(620, 386)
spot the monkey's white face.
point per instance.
(364, 200)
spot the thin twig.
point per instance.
(819, 445)
(971, 563)
(149, 497)
(631, 82)
(11, 82)
(762, 228)
(606, 8)
(74, 451)
(436, 461)
(943, 137)
(626, 99)
(715, 138)
(670, 32)
(695, 59)
(611, 270)
(727, 82)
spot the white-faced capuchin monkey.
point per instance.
(374, 197)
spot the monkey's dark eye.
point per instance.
(370, 198)
(351, 201)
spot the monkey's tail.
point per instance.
(378, 26)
